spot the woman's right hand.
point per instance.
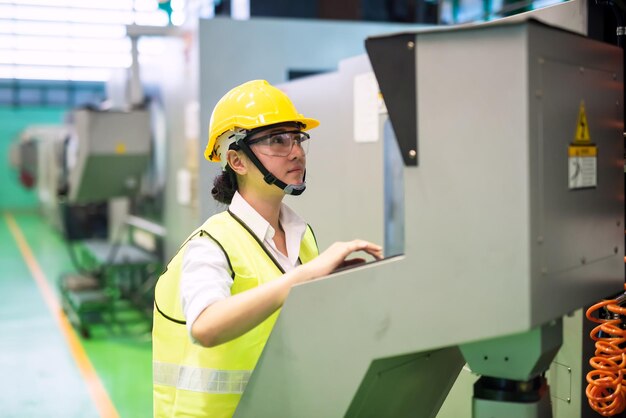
(232, 317)
(335, 256)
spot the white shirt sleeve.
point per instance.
(205, 278)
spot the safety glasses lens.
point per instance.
(281, 144)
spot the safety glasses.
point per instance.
(280, 144)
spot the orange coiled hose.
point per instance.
(606, 389)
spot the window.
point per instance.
(72, 40)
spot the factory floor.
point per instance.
(48, 369)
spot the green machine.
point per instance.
(510, 173)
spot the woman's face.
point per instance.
(287, 168)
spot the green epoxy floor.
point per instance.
(39, 375)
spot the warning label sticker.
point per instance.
(582, 128)
(583, 166)
(582, 153)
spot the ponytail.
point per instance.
(225, 186)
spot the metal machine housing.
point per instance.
(496, 241)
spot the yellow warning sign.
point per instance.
(582, 128)
(582, 151)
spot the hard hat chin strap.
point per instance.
(292, 189)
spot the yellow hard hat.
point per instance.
(249, 106)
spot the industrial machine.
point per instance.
(40, 154)
(509, 155)
(107, 156)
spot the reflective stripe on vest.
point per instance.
(198, 379)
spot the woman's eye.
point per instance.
(278, 140)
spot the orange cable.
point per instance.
(606, 389)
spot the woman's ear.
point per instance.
(236, 162)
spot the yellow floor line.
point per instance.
(94, 385)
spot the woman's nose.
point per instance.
(296, 149)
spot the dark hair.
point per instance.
(225, 186)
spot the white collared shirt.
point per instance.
(205, 275)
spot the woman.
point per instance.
(232, 275)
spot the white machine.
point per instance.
(40, 153)
(510, 137)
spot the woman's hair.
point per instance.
(225, 186)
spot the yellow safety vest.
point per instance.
(191, 380)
